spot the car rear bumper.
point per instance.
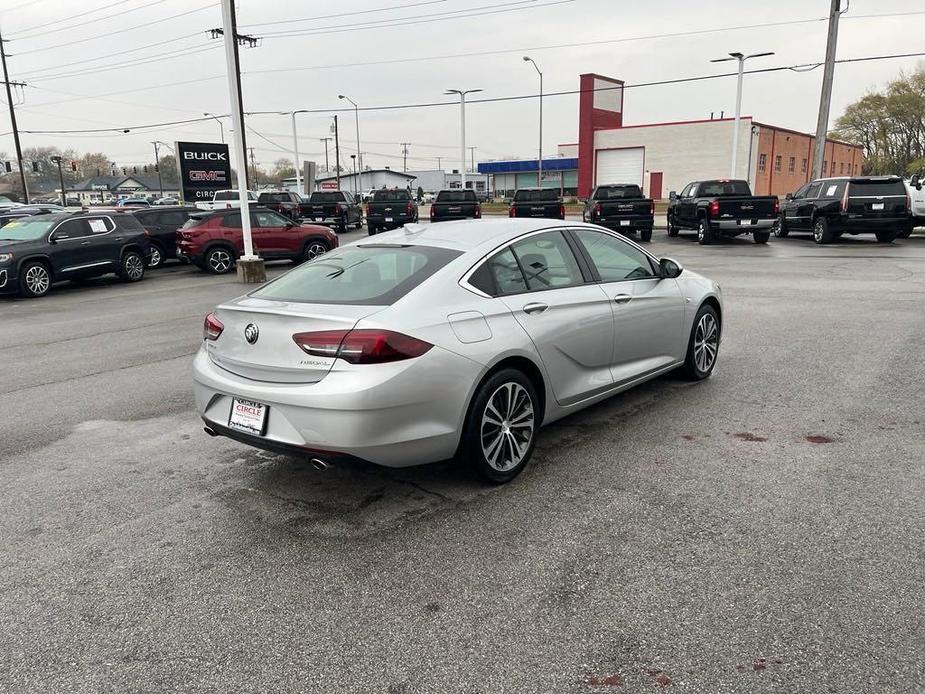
(617, 224)
(394, 220)
(395, 415)
(743, 225)
(451, 218)
(859, 224)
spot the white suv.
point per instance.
(226, 198)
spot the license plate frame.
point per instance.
(389, 219)
(878, 206)
(248, 416)
(624, 222)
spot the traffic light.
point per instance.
(134, 169)
(9, 167)
(146, 168)
(73, 166)
(124, 172)
(35, 167)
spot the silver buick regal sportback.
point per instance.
(458, 339)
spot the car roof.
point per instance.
(469, 234)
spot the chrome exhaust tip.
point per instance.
(320, 464)
(210, 431)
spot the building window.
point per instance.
(777, 161)
(803, 167)
(855, 169)
(825, 166)
(841, 169)
(791, 167)
(762, 162)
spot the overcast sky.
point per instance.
(67, 90)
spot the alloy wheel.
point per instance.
(37, 279)
(155, 259)
(507, 428)
(219, 261)
(706, 342)
(313, 250)
(134, 267)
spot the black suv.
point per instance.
(162, 223)
(37, 251)
(285, 202)
(830, 207)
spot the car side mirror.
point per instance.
(916, 182)
(673, 195)
(669, 268)
(788, 196)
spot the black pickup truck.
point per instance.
(621, 208)
(722, 207)
(334, 208)
(455, 204)
(285, 202)
(830, 207)
(390, 209)
(543, 203)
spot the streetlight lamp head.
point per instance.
(341, 96)
(527, 58)
(736, 55)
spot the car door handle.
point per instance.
(622, 299)
(535, 307)
(85, 243)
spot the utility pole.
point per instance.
(472, 158)
(336, 153)
(439, 159)
(9, 101)
(404, 154)
(356, 114)
(327, 165)
(57, 160)
(825, 101)
(254, 167)
(462, 130)
(250, 267)
(157, 167)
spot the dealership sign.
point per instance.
(204, 168)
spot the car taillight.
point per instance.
(367, 210)
(844, 199)
(410, 209)
(433, 211)
(212, 327)
(511, 212)
(363, 346)
(776, 206)
(596, 212)
(478, 211)
(562, 211)
(652, 207)
(714, 208)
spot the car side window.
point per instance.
(174, 220)
(686, 193)
(833, 190)
(547, 261)
(813, 191)
(232, 220)
(800, 193)
(269, 220)
(99, 225)
(71, 229)
(615, 259)
(500, 275)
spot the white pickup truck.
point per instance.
(225, 199)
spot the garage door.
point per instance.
(620, 165)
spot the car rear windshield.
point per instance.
(273, 197)
(391, 196)
(375, 275)
(326, 197)
(876, 188)
(550, 195)
(456, 196)
(226, 195)
(27, 228)
(618, 193)
(720, 188)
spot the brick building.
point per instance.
(663, 157)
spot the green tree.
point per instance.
(890, 125)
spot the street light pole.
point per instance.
(462, 129)
(354, 162)
(356, 113)
(295, 150)
(157, 167)
(221, 126)
(539, 164)
(735, 132)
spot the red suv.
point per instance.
(213, 240)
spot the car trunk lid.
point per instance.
(875, 199)
(623, 209)
(266, 351)
(746, 207)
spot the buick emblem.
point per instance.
(251, 333)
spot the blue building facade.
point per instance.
(560, 173)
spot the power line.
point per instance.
(128, 64)
(498, 99)
(20, 36)
(110, 33)
(345, 14)
(122, 52)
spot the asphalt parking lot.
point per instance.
(762, 531)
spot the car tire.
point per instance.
(219, 260)
(132, 267)
(780, 228)
(904, 233)
(34, 279)
(496, 451)
(341, 227)
(672, 227)
(645, 235)
(886, 236)
(704, 233)
(761, 237)
(156, 258)
(703, 345)
(371, 229)
(311, 250)
(822, 232)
